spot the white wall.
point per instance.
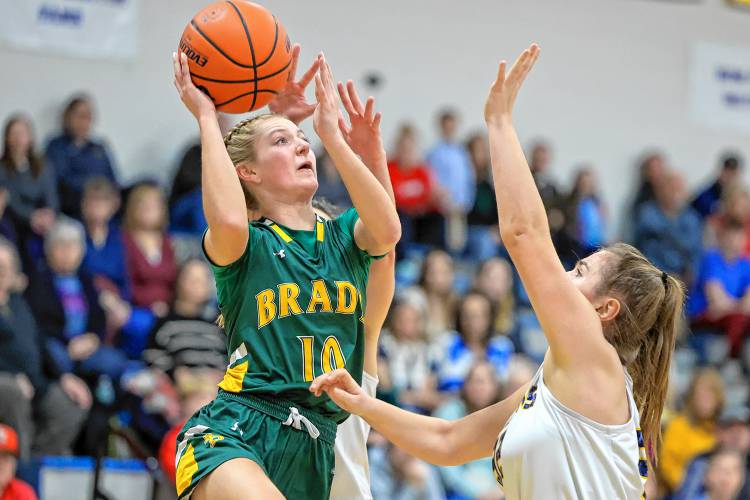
(612, 79)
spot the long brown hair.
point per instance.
(35, 161)
(712, 377)
(644, 332)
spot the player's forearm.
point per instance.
(424, 437)
(520, 206)
(223, 198)
(377, 162)
(381, 284)
(375, 208)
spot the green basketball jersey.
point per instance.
(293, 309)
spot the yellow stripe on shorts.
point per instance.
(186, 469)
(232, 381)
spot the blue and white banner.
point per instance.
(719, 87)
(82, 28)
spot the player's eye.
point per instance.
(280, 140)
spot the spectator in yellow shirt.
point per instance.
(692, 431)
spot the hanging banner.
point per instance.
(83, 28)
(719, 87)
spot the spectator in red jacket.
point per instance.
(10, 487)
(149, 256)
(419, 199)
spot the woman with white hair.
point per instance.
(66, 305)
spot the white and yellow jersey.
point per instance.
(352, 471)
(546, 451)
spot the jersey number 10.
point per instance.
(331, 356)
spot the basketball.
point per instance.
(239, 54)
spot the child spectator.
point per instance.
(494, 278)
(105, 252)
(436, 282)
(10, 487)
(587, 215)
(720, 296)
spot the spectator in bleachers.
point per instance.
(76, 156)
(651, 171)
(708, 201)
(483, 236)
(586, 213)
(7, 228)
(185, 196)
(396, 475)
(32, 201)
(474, 480)
(721, 293)
(11, 488)
(149, 255)
(733, 433)
(451, 165)
(436, 282)
(693, 430)
(105, 252)
(66, 304)
(419, 198)
(539, 161)
(494, 278)
(330, 185)
(450, 162)
(188, 338)
(725, 476)
(406, 356)
(735, 204)
(668, 231)
(47, 407)
(194, 392)
(474, 340)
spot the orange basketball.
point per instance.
(239, 54)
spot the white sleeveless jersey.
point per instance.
(547, 451)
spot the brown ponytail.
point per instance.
(645, 331)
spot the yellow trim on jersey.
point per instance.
(232, 381)
(281, 233)
(320, 230)
(186, 469)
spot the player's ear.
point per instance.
(247, 173)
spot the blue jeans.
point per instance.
(104, 361)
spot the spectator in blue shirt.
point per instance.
(76, 156)
(668, 231)
(105, 253)
(186, 216)
(708, 201)
(452, 167)
(474, 341)
(587, 215)
(721, 295)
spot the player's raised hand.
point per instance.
(290, 101)
(363, 132)
(326, 115)
(342, 389)
(503, 92)
(198, 103)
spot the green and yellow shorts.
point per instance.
(295, 449)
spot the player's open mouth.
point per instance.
(306, 166)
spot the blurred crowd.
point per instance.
(108, 338)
